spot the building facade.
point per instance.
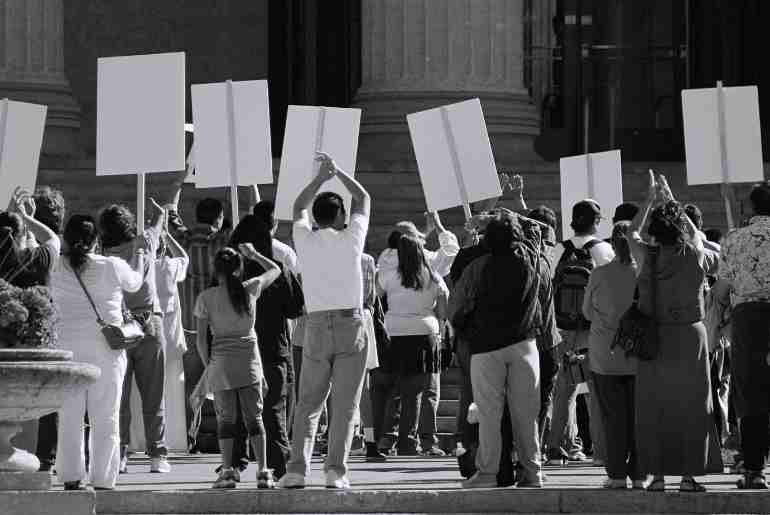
(555, 77)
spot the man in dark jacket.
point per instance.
(495, 308)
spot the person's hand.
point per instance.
(664, 190)
(328, 167)
(505, 182)
(517, 184)
(248, 250)
(23, 202)
(652, 186)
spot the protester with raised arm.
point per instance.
(233, 365)
(675, 430)
(146, 361)
(744, 266)
(334, 348)
(88, 288)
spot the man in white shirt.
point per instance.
(586, 217)
(334, 349)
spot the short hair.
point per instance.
(208, 211)
(694, 213)
(625, 212)
(544, 214)
(499, 236)
(50, 208)
(326, 207)
(584, 215)
(760, 198)
(264, 211)
(117, 226)
(13, 222)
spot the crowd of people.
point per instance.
(284, 337)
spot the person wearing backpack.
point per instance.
(574, 260)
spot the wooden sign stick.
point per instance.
(727, 192)
(233, 155)
(591, 178)
(456, 164)
(140, 196)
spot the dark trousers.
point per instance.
(146, 361)
(411, 388)
(274, 415)
(549, 368)
(428, 421)
(46, 441)
(385, 416)
(466, 433)
(755, 441)
(616, 404)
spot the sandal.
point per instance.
(657, 485)
(690, 485)
(752, 481)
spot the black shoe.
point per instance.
(373, 455)
(71, 486)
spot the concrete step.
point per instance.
(446, 423)
(319, 500)
(448, 407)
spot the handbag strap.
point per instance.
(93, 305)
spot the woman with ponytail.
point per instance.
(233, 364)
(417, 300)
(79, 274)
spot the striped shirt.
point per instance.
(201, 242)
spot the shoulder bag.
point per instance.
(119, 337)
(637, 332)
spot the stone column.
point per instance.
(419, 54)
(32, 67)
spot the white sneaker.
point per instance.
(123, 468)
(335, 481)
(159, 465)
(291, 480)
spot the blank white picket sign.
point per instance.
(575, 186)
(743, 132)
(141, 114)
(254, 162)
(432, 140)
(309, 128)
(21, 134)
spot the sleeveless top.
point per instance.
(679, 299)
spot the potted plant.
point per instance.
(35, 377)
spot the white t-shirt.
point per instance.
(330, 263)
(411, 312)
(602, 253)
(106, 278)
(285, 255)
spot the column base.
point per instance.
(62, 128)
(512, 123)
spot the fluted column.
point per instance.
(418, 54)
(32, 67)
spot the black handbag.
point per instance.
(637, 332)
(119, 337)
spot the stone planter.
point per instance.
(34, 383)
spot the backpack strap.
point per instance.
(569, 250)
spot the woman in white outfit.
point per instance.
(105, 278)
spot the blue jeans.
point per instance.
(333, 361)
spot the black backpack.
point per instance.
(569, 285)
